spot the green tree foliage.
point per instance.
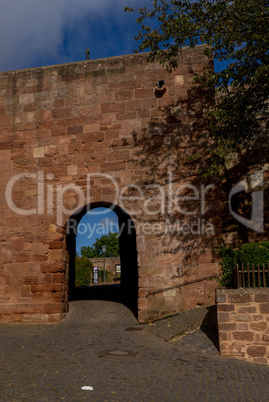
(83, 269)
(237, 33)
(111, 241)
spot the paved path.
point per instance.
(92, 348)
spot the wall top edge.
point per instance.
(242, 291)
(93, 61)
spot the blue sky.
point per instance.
(35, 33)
(94, 224)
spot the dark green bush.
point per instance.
(254, 253)
(83, 271)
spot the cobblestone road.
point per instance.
(54, 362)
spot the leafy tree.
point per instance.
(111, 241)
(83, 270)
(237, 33)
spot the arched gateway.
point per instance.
(115, 132)
(127, 247)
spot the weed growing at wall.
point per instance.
(228, 261)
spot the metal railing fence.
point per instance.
(251, 276)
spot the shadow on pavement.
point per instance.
(210, 326)
(109, 292)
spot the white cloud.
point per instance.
(32, 32)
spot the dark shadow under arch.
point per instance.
(127, 291)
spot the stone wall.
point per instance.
(243, 323)
(110, 263)
(104, 125)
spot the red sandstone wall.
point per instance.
(243, 323)
(61, 123)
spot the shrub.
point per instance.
(83, 271)
(254, 253)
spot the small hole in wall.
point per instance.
(160, 84)
(160, 89)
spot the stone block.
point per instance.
(59, 296)
(240, 297)
(223, 336)
(21, 268)
(35, 318)
(39, 152)
(247, 310)
(23, 257)
(31, 280)
(56, 245)
(144, 282)
(42, 298)
(57, 278)
(152, 271)
(56, 317)
(179, 79)
(17, 243)
(57, 237)
(157, 303)
(242, 317)
(75, 129)
(61, 113)
(264, 308)
(51, 150)
(265, 338)
(135, 104)
(257, 317)
(144, 93)
(260, 360)
(262, 297)
(226, 307)
(37, 258)
(243, 336)
(242, 327)
(223, 317)
(52, 267)
(220, 296)
(55, 287)
(57, 255)
(226, 326)
(124, 95)
(235, 349)
(256, 351)
(26, 98)
(38, 249)
(72, 170)
(26, 291)
(258, 326)
(4, 292)
(45, 279)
